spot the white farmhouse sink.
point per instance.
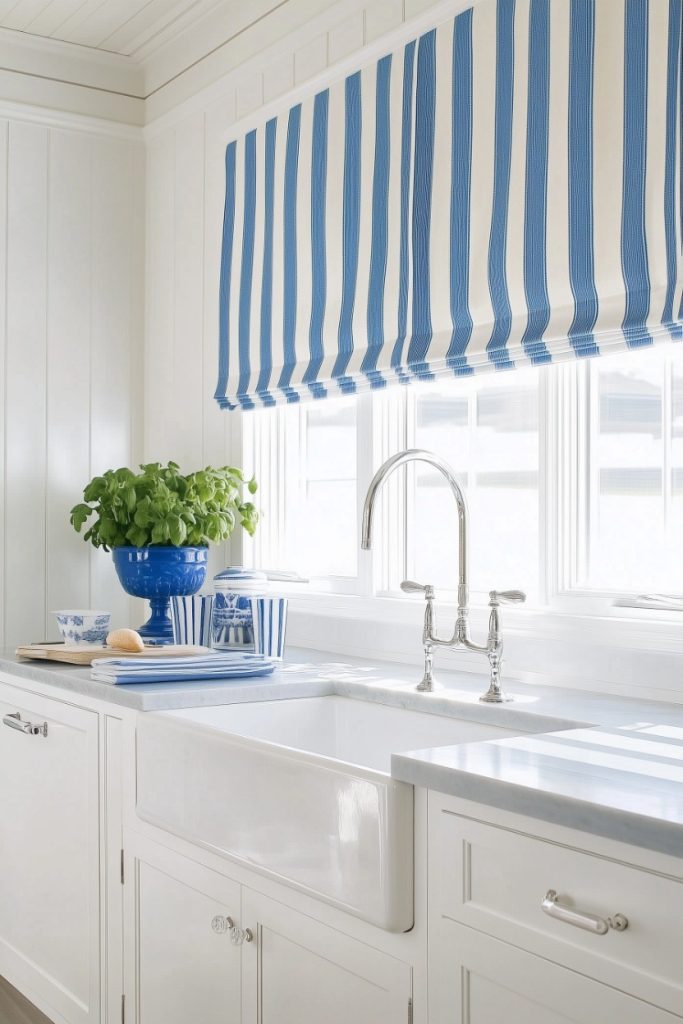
(299, 789)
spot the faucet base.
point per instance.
(494, 697)
(428, 685)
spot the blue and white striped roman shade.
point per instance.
(506, 189)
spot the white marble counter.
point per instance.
(625, 783)
(609, 765)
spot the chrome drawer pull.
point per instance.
(14, 722)
(589, 922)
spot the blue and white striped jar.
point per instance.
(269, 615)
(232, 628)
(192, 617)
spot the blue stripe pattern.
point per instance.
(245, 399)
(461, 183)
(226, 276)
(380, 203)
(422, 205)
(267, 272)
(191, 616)
(581, 254)
(401, 145)
(498, 287)
(673, 95)
(289, 250)
(351, 220)
(634, 260)
(318, 247)
(536, 192)
(404, 214)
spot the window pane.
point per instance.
(634, 538)
(320, 523)
(487, 429)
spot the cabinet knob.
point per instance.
(221, 925)
(240, 935)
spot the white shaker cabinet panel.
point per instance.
(184, 967)
(299, 971)
(475, 979)
(49, 854)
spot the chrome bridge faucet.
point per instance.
(493, 648)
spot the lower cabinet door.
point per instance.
(49, 854)
(475, 979)
(299, 971)
(181, 965)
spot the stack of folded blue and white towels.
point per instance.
(158, 669)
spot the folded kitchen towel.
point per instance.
(170, 670)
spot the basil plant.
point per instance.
(160, 505)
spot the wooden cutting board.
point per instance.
(86, 655)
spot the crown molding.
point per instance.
(203, 54)
(70, 64)
(68, 121)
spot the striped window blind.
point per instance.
(504, 190)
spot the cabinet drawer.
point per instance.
(475, 979)
(495, 880)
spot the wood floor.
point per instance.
(14, 1009)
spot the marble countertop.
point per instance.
(625, 783)
(608, 765)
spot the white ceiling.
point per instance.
(118, 26)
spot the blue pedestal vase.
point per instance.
(158, 574)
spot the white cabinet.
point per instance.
(49, 855)
(283, 968)
(181, 963)
(475, 979)
(537, 925)
(297, 970)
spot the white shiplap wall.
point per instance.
(71, 326)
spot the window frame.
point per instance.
(566, 405)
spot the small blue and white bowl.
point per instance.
(83, 628)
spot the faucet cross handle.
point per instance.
(411, 587)
(497, 597)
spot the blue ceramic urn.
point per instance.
(158, 574)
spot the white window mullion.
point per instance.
(549, 540)
(667, 439)
(390, 435)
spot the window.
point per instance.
(573, 476)
(488, 431)
(633, 526)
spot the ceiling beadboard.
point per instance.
(122, 27)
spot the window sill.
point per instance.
(627, 651)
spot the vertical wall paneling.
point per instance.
(279, 78)
(347, 37)
(160, 415)
(310, 59)
(26, 365)
(216, 427)
(382, 18)
(71, 247)
(136, 273)
(68, 365)
(188, 290)
(4, 128)
(111, 417)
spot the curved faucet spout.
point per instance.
(421, 455)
